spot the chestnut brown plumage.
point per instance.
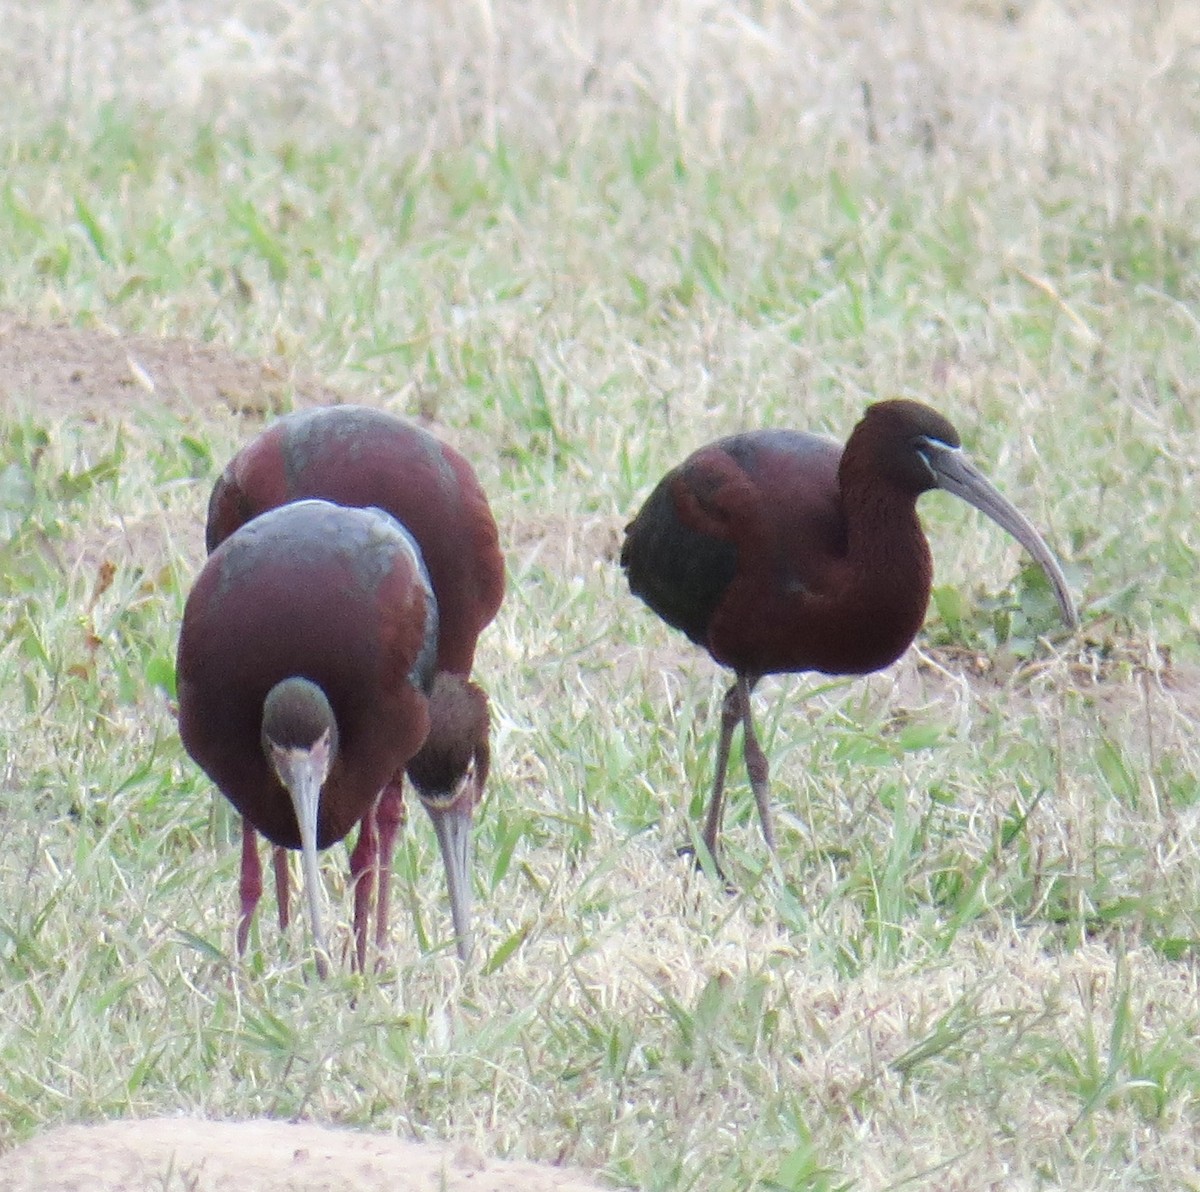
(359, 456)
(779, 551)
(305, 662)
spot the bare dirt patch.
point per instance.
(97, 373)
(260, 1156)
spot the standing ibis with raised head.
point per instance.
(779, 551)
(305, 667)
(358, 456)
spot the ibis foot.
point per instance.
(690, 850)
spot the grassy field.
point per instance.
(583, 240)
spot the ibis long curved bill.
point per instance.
(956, 474)
(452, 821)
(303, 773)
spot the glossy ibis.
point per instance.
(305, 662)
(779, 551)
(359, 456)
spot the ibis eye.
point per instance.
(920, 445)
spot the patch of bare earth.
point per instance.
(260, 1156)
(91, 372)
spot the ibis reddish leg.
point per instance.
(757, 766)
(283, 894)
(735, 709)
(364, 866)
(730, 715)
(250, 885)
(389, 817)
